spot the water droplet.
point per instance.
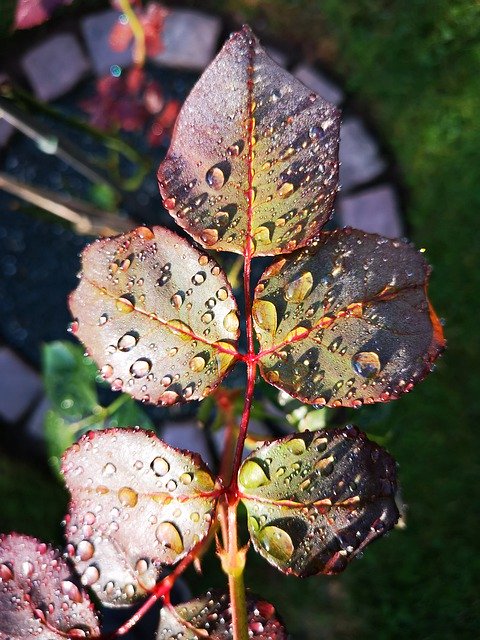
(231, 322)
(6, 572)
(106, 371)
(215, 178)
(209, 237)
(207, 317)
(145, 233)
(180, 329)
(117, 384)
(265, 315)
(222, 294)
(186, 478)
(197, 364)
(315, 132)
(27, 569)
(199, 278)
(297, 290)
(366, 363)
(140, 368)
(169, 203)
(160, 466)
(71, 590)
(171, 485)
(128, 496)
(296, 446)
(103, 319)
(177, 299)
(262, 235)
(222, 218)
(276, 542)
(169, 536)
(285, 190)
(90, 575)
(85, 550)
(252, 475)
(125, 304)
(127, 341)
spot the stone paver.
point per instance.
(186, 435)
(190, 39)
(96, 30)
(359, 155)
(6, 131)
(35, 427)
(278, 56)
(20, 386)
(55, 66)
(319, 83)
(375, 210)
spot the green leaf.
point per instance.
(158, 316)
(136, 505)
(315, 500)
(347, 321)
(211, 617)
(252, 165)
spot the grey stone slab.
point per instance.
(190, 39)
(255, 426)
(319, 83)
(6, 132)
(96, 30)
(375, 210)
(55, 66)
(278, 56)
(359, 155)
(186, 435)
(35, 427)
(20, 386)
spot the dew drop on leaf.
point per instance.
(160, 466)
(125, 305)
(366, 363)
(231, 322)
(128, 496)
(252, 475)
(140, 368)
(300, 288)
(169, 536)
(265, 315)
(215, 178)
(276, 542)
(127, 341)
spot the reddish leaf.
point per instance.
(137, 504)
(211, 617)
(315, 500)
(157, 316)
(253, 156)
(347, 320)
(30, 13)
(39, 594)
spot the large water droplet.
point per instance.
(85, 550)
(71, 590)
(125, 304)
(262, 235)
(140, 368)
(177, 299)
(6, 572)
(127, 341)
(296, 446)
(160, 466)
(128, 496)
(297, 290)
(90, 575)
(197, 364)
(209, 237)
(252, 475)
(276, 542)
(231, 322)
(169, 536)
(215, 178)
(180, 329)
(366, 363)
(265, 315)
(145, 233)
(285, 190)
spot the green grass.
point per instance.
(413, 67)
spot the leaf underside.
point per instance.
(39, 595)
(316, 499)
(210, 616)
(346, 320)
(253, 155)
(157, 316)
(136, 505)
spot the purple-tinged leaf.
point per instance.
(316, 499)
(347, 320)
(156, 315)
(211, 617)
(40, 596)
(30, 13)
(253, 157)
(136, 505)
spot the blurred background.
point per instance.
(409, 73)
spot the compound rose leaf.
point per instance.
(346, 320)
(136, 505)
(40, 596)
(316, 499)
(253, 159)
(210, 617)
(157, 316)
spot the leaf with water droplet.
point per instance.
(253, 156)
(346, 320)
(40, 596)
(153, 288)
(210, 616)
(329, 493)
(136, 505)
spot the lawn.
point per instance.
(412, 69)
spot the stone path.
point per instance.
(58, 63)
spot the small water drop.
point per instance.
(276, 542)
(71, 590)
(125, 304)
(222, 294)
(252, 475)
(262, 235)
(265, 315)
(177, 299)
(215, 178)
(285, 190)
(90, 575)
(297, 290)
(127, 496)
(103, 319)
(160, 466)
(296, 446)
(127, 341)
(315, 132)
(27, 569)
(169, 536)
(197, 364)
(366, 363)
(209, 237)
(199, 277)
(140, 368)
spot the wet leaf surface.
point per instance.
(137, 504)
(347, 321)
(316, 499)
(210, 617)
(39, 594)
(253, 155)
(157, 316)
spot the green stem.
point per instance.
(139, 52)
(102, 414)
(236, 585)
